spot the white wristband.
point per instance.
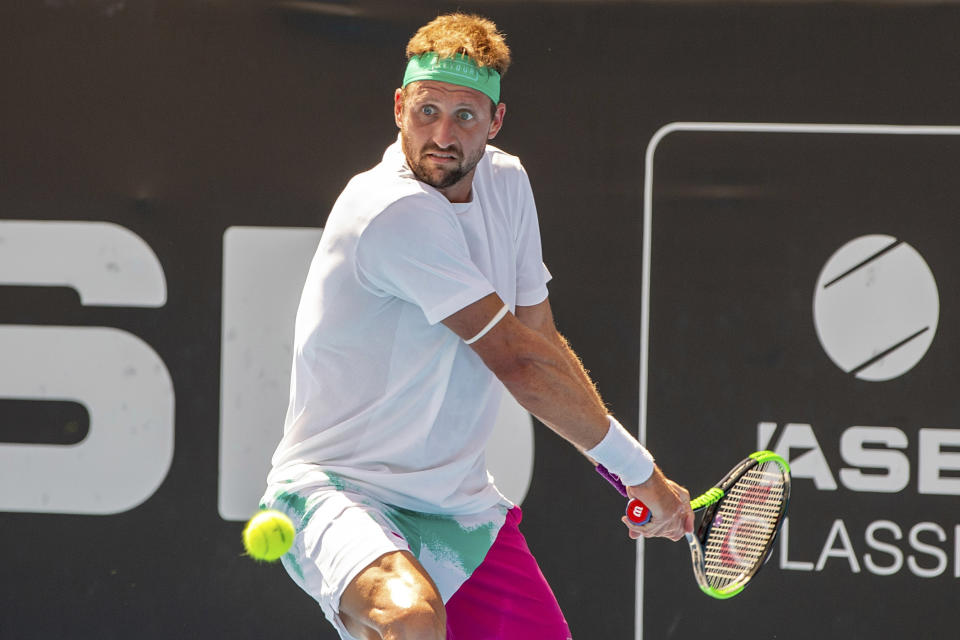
(623, 455)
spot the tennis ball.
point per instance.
(268, 535)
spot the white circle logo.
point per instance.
(876, 307)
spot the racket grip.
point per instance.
(612, 478)
(638, 513)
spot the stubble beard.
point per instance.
(438, 177)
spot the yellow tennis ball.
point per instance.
(268, 535)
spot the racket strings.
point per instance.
(745, 521)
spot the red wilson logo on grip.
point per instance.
(637, 512)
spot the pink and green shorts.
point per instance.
(490, 582)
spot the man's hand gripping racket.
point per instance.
(741, 516)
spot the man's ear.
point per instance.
(397, 106)
(499, 113)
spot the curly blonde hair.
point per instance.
(462, 33)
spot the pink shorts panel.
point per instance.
(506, 597)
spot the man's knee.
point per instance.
(422, 621)
(395, 597)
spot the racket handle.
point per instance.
(638, 513)
(612, 478)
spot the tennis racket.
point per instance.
(741, 516)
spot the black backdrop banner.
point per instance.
(166, 166)
(816, 320)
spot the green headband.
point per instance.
(460, 70)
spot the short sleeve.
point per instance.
(416, 251)
(532, 273)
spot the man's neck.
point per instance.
(461, 191)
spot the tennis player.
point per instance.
(427, 296)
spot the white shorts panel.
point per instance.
(338, 535)
(341, 531)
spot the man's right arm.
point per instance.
(541, 376)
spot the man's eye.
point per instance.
(429, 110)
(465, 115)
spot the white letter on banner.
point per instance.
(116, 376)
(785, 561)
(108, 265)
(956, 551)
(927, 549)
(263, 273)
(933, 460)
(871, 538)
(810, 464)
(895, 463)
(839, 530)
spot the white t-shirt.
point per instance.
(382, 393)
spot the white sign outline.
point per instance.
(736, 127)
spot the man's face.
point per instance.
(443, 130)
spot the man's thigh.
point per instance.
(394, 592)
